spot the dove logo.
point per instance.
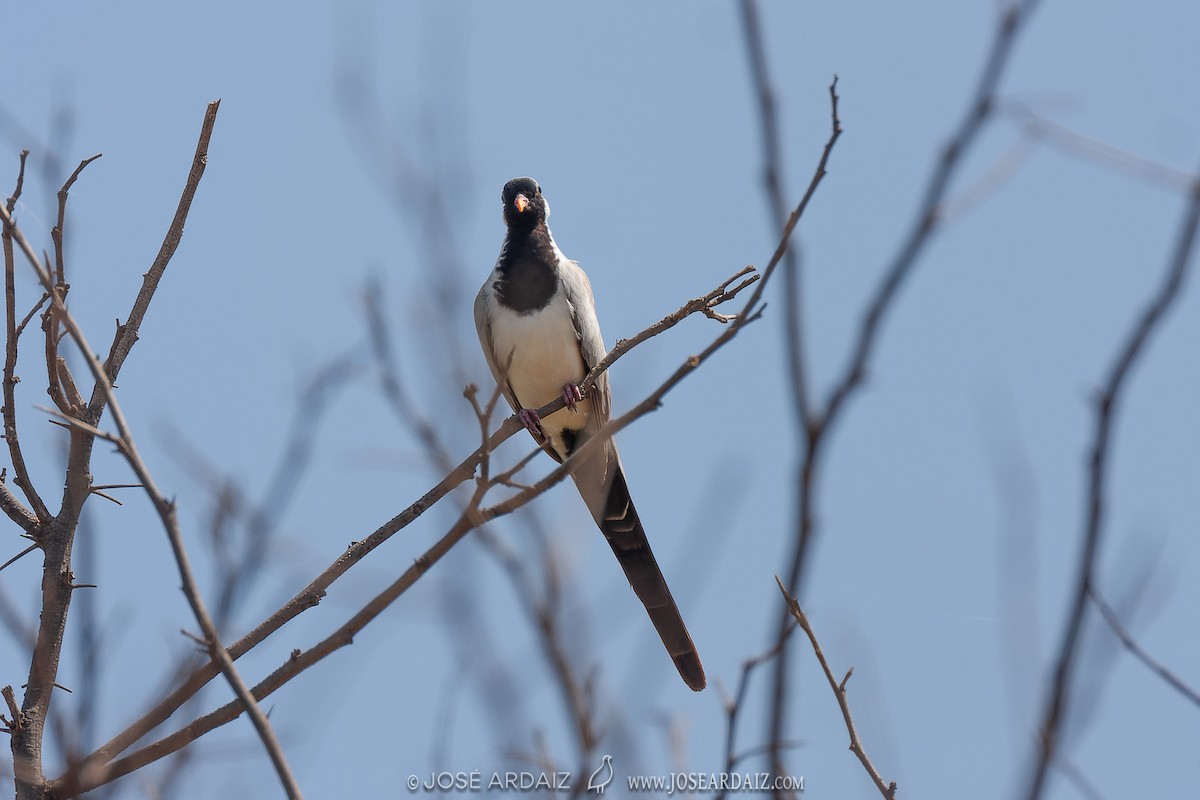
(602, 777)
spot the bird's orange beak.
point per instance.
(522, 202)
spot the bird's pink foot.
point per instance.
(571, 395)
(532, 422)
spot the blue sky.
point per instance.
(950, 507)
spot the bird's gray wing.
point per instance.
(578, 291)
(601, 482)
(483, 327)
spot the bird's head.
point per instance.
(524, 204)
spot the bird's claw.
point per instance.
(532, 422)
(571, 395)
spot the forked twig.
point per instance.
(888, 790)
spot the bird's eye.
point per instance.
(538, 190)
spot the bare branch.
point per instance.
(17, 720)
(15, 510)
(888, 790)
(127, 334)
(11, 203)
(773, 184)
(166, 508)
(50, 638)
(1130, 644)
(56, 233)
(1130, 351)
(705, 304)
(822, 420)
(36, 307)
(50, 330)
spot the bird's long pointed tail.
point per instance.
(618, 520)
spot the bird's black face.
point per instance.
(524, 205)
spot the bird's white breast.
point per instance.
(545, 350)
(545, 354)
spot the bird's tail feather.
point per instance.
(607, 496)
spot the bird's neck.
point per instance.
(534, 242)
(528, 269)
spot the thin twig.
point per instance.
(36, 307)
(704, 304)
(56, 233)
(19, 556)
(10, 379)
(734, 705)
(50, 330)
(1130, 351)
(888, 790)
(1130, 644)
(1078, 779)
(17, 719)
(127, 334)
(107, 497)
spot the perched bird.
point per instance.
(536, 320)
